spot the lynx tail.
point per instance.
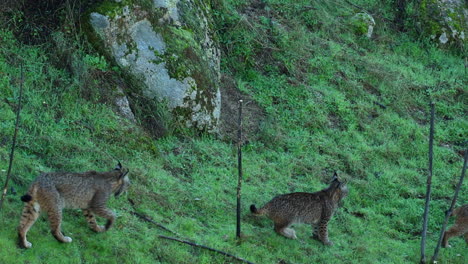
(26, 198)
(256, 211)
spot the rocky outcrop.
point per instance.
(446, 20)
(363, 24)
(123, 106)
(168, 51)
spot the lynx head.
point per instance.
(123, 182)
(338, 188)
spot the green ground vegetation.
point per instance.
(333, 101)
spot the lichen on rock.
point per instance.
(445, 20)
(363, 24)
(173, 61)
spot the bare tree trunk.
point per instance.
(10, 165)
(428, 190)
(400, 16)
(239, 167)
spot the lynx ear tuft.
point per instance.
(335, 176)
(253, 209)
(119, 166)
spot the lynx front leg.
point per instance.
(105, 213)
(323, 232)
(29, 216)
(92, 221)
(98, 207)
(315, 232)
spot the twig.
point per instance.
(205, 247)
(353, 4)
(380, 104)
(449, 212)
(5, 188)
(147, 219)
(428, 190)
(239, 167)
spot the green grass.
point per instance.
(318, 84)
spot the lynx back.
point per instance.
(88, 191)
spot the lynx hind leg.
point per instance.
(91, 219)
(283, 229)
(29, 216)
(291, 233)
(323, 233)
(105, 213)
(454, 231)
(55, 220)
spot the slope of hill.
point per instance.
(332, 100)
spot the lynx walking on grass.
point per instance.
(460, 227)
(309, 208)
(88, 191)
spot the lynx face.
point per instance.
(88, 191)
(309, 208)
(460, 228)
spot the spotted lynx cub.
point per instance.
(460, 227)
(88, 191)
(310, 208)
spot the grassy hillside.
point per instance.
(333, 100)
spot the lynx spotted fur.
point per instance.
(88, 191)
(310, 208)
(460, 228)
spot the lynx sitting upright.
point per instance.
(310, 208)
(88, 191)
(460, 227)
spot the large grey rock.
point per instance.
(168, 49)
(446, 20)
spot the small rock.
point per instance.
(443, 38)
(363, 23)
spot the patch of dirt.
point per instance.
(252, 113)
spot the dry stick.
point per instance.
(205, 247)
(5, 188)
(239, 167)
(428, 191)
(449, 212)
(147, 219)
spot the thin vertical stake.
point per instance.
(428, 190)
(449, 212)
(239, 168)
(5, 188)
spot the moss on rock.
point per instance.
(445, 21)
(176, 61)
